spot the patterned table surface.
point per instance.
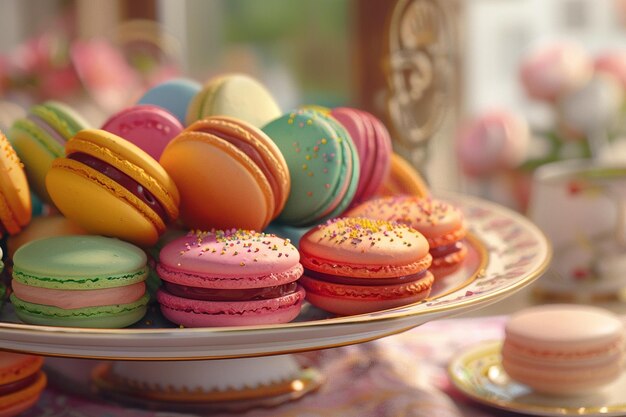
(402, 375)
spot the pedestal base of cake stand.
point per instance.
(231, 385)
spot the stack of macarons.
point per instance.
(440, 222)
(230, 278)
(21, 382)
(79, 281)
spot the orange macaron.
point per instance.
(15, 203)
(441, 223)
(21, 382)
(110, 187)
(230, 175)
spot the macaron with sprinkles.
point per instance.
(440, 222)
(360, 265)
(323, 163)
(230, 278)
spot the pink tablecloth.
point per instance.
(402, 375)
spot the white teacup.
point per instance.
(581, 206)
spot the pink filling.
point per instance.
(71, 299)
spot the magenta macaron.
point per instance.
(373, 144)
(230, 278)
(149, 127)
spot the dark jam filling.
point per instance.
(335, 279)
(122, 179)
(19, 385)
(247, 294)
(441, 251)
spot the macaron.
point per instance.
(21, 382)
(403, 179)
(110, 187)
(234, 95)
(373, 144)
(230, 278)
(229, 173)
(323, 163)
(173, 95)
(79, 281)
(358, 265)
(15, 202)
(564, 349)
(40, 137)
(151, 128)
(441, 223)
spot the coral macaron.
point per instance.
(230, 278)
(358, 265)
(441, 223)
(110, 187)
(229, 173)
(21, 382)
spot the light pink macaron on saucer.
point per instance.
(230, 278)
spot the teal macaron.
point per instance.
(80, 281)
(40, 137)
(323, 165)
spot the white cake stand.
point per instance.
(506, 253)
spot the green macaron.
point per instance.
(40, 137)
(80, 281)
(323, 165)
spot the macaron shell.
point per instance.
(314, 155)
(195, 313)
(237, 96)
(17, 366)
(239, 254)
(79, 263)
(151, 128)
(108, 317)
(131, 160)
(20, 407)
(358, 299)
(173, 95)
(446, 265)
(15, 204)
(381, 165)
(268, 157)
(220, 186)
(87, 197)
(359, 241)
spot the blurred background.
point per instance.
(446, 76)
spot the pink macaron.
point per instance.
(373, 144)
(149, 127)
(230, 278)
(564, 349)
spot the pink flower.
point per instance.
(494, 141)
(555, 69)
(614, 63)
